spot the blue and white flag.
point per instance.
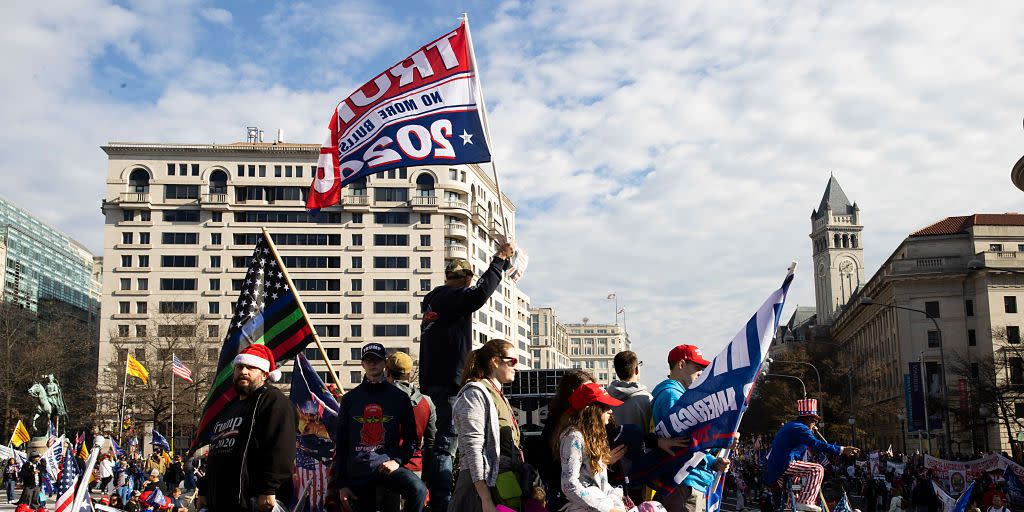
(843, 505)
(160, 441)
(1014, 488)
(715, 497)
(963, 500)
(711, 409)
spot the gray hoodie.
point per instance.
(636, 406)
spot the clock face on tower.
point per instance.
(846, 267)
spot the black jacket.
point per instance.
(31, 474)
(252, 451)
(375, 424)
(445, 342)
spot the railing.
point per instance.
(134, 197)
(455, 251)
(455, 229)
(215, 198)
(456, 204)
(357, 200)
(928, 265)
(423, 201)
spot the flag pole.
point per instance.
(487, 125)
(124, 397)
(172, 403)
(302, 307)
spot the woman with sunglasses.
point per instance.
(489, 438)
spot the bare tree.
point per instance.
(995, 382)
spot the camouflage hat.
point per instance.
(399, 362)
(459, 268)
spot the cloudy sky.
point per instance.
(670, 153)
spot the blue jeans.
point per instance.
(437, 465)
(402, 481)
(9, 486)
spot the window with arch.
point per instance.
(425, 185)
(846, 241)
(138, 181)
(853, 241)
(218, 182)
(838, 241)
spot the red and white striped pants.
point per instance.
(811, 475)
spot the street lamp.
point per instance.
(789, 377)
(868, 301)
(816, 374)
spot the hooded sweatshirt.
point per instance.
(666, 394)
(447, 331)
(375, 425)
(636, 404)
(426, 423)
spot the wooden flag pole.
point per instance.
(124, 397)
(487, 126)
(172, 403)
(302, 307)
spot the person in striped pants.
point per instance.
(786, 458)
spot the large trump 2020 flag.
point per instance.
(421, 111)
(710, 411)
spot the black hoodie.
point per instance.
(375, 424)
(445, 341)
(252, 448)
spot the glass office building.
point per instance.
(39, 262)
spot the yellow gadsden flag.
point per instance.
(20, 435)
(135, 369)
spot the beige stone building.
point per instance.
(549, 340)
(963, 272)
(593, 347)
(180, 220)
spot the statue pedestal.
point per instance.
(37, 444)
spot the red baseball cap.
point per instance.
(687, 353)
(589, 393)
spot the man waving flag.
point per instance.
(710, 410)
(421, 111)
(267, 313)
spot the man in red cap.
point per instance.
(685, 363)
(252, 446)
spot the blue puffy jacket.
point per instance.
(666, 395)
(790, 443)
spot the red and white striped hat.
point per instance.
(807, 407)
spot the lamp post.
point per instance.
(789, 377)
(868, 301)
(816, 374)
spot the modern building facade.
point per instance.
(963, 275)
(549, 340)
(838, 251)
(181, 219)
(39, 262)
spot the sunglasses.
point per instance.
(511, 362)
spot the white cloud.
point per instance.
(216, 15)
(677, 150)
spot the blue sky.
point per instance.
(671, 152)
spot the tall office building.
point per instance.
(181, 220)
(549, 340)
(593, 347)
(39, 262)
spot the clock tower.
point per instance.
(838, 251)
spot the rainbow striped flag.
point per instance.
(268, 312)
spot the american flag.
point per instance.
(267, 312)
(66, 485)
(180, 369)
(311, 472)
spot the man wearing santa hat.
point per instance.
(252, 448)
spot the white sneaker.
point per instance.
(807, 507)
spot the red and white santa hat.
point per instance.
(259, 356)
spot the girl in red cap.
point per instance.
(584, 452)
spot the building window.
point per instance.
(128, 215)
(357, 218)
(972, 338)
(424, 240)
(124, 308)
(323, 308)
(181, 215)
(140, 331)
(391, 240)
(357, 262)
(217, 217)
(215, 261)
(357, 308)
(177, 284)
(141, 308)
(995, 247)
(126, 237)
(356, 330)
(357, 240)
(178, 261)
(126, 260)
(215, 239)
(424, 218)
(213, 331)
(391, 218)
(143, 283)
(424, 262)
(1012, 334)
(1016, 368)
(934, 339)
(424, 285)
(214, 308)
(214, 285)
(391, 307)
(170, 307)
(144, 260)
(327, 331)
(390, 262)
(126, 284)
(969, 307)
(391, 285)
(931, 309)
(356, 377)
(144, 238)
(181, 191)
(390, 330)
(1010, 304)
(391, 194)
(122, 331)
(1018, 410)
(357, 285)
